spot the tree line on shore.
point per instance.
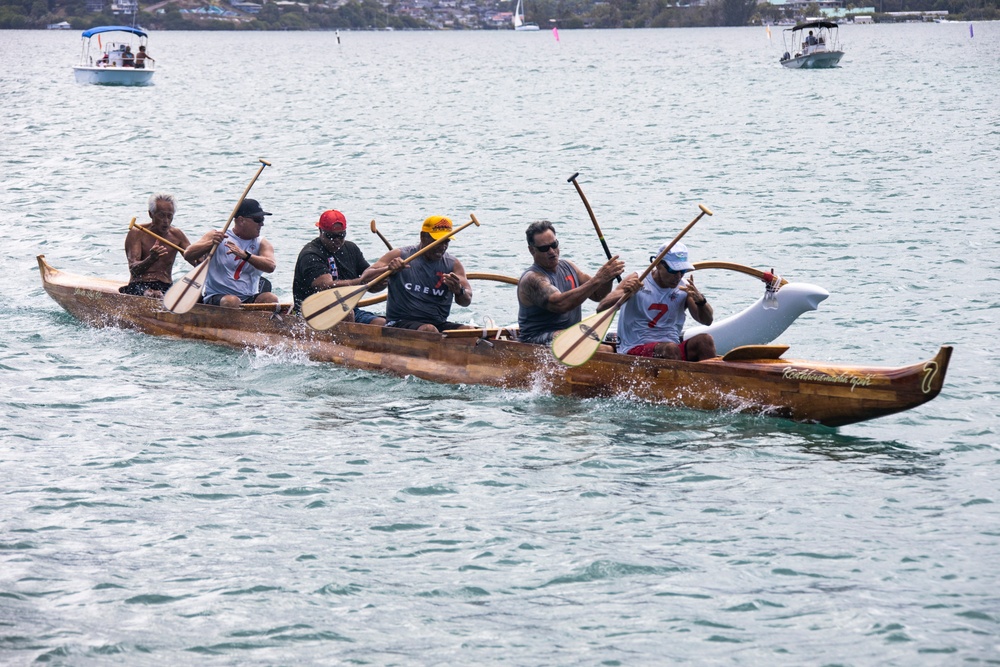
(566, 14)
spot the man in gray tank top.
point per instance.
(242, 257)
(421, 292)
(551, 291)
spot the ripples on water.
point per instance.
(169, 502)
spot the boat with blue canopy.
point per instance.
(812, 45)
(116, 60)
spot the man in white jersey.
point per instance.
(650, 323)
(234, 275)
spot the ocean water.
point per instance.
(173, 502)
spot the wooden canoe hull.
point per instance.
(802, 391)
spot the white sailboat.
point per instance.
(519, 23)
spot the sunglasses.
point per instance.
(667, 267)
(546, 248)
(335, 236)
(259, 219)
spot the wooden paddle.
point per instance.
(132, 225)
(575, 345)
(593, 218)
(184, 293)
(324, 309)
(376, 231)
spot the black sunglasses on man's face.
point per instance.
(667, 267)
(335, 236)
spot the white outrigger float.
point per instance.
(115, 62)
(764, 320)
(812, 45)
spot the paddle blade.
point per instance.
(324, 309)
(575, 345)
(184, 293)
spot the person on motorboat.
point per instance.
(243, 255)
(150, 261)
(329, 261)
(652, 320)
(128, 60)
(811, 39)
(551, 291)
(142, 57)
(421, 292)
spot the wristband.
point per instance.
(701, 303)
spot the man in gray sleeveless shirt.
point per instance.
(242, 257)
(551, 291)
(421, 292)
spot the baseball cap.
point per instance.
(332, 221)
(437, 226)
(677, 258)
(249, 208)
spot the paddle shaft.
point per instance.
(384, 240)
(178, 298)
(355, 295)
(610, 312)
(593, 218)
(232, 216)
(156, 236)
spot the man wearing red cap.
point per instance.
(328, 261)
(421, 292)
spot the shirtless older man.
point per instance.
(150, 261)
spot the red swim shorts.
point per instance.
(646, 350)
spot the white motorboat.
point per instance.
(518, 19)
(120, 60)
(812, 45)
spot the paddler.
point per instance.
(421, 292)
(329, 261)
(651, 322)
(551, 291)
(243, 256)
(150, 261)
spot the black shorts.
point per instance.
(139, 289)
(216, 298)
(410, 324)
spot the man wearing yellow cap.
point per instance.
(421, 292)
(329, 261)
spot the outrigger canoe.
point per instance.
(753, 379)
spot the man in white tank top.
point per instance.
(651, 323)
(243, 255)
